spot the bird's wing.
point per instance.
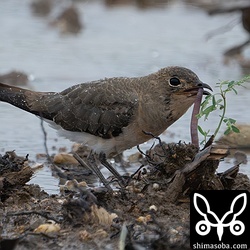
(100, 108)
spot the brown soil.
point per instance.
(152, 212)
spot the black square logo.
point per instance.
(220, 219)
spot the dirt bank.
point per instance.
(152, 212)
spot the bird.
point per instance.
(111, 115)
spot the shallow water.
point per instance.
(118, 41)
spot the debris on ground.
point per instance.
(151, 212)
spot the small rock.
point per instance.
(237, 140)
(153, 207)
(15, 78)
(102, 216)
(69, 21)
(51, 227)
(36, 166)
(240, 157)
(84, 235)
(156, 186)
(41, 7)
(144, 219)
(73, 185)
(134, 158)
(64, 158)
(100, 234)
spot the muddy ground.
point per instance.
(152, 212)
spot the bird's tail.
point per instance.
(14, 95)
(21, 98)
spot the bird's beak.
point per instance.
(205, 86)
(198, 86)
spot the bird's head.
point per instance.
(182, 81)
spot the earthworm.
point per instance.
(194, 119)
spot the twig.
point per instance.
(140, 151)
(132, 175)
(123, 236)
(199, 157)
(209, 142)
(157, 138)
(42, 234)
(41, 213)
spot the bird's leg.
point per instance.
(104, 162)
(123, 164)
(94, 168)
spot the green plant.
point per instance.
(218, 101)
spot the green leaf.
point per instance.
(205, 102)
(232, 121)
(201, 130)
(228, 130)
(235, 91)
(198, 116)
(224, 83)
(219, 101)
(209, 109)
(203, 142)
(235, 129)
(214, 101)
(211, 103)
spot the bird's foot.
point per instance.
(94, 168)
(105, 163)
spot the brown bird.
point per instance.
(112, 114)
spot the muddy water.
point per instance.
(118, 41)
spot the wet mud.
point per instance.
(151, 212)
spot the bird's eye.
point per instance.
(174, 82)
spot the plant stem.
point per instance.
(223, 112)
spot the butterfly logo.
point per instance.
(203, 227)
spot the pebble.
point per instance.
(156, 186)
(153, 207)
(237, 140)
(64, 158)
(51, 227)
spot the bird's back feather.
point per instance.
(80, 108)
